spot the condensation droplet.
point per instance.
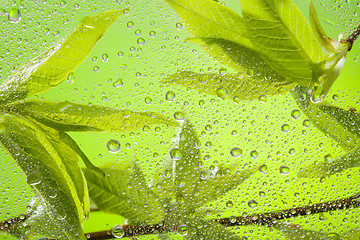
(285, 128)
(34, 178)
(263, 169)
(148, 100)
(236, 152)
(254, 154)
(284, 170)
(179, 182)
(307, 123)
(14, 15)
(118, 83)
(118, 232)
(335, 97)
(262, 98)
(182, 230)
(141, 41)
(170, 96)
(179, 26)
(222, 71)
(62, 4)
(105, 57)
(71, 77)
(197, 144)
(146, 129)
(179, 116)
(252, 204)
(295, 114)
(175, 154)
(130, 24)
(113, 146)
(221, 93)
(229, 204)
(123, 66)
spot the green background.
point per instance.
(249, 125)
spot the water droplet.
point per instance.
(285, 128)
(118, 232)
(236, 152)
(167, 173)
(130, 24)
(105, 57)
(208, 144)
(262, 194)
(254, 154)
(284, 170)
(179, 26)
(250, 73)
(236, 99)
(62, 4)
(263, 98)
(328, 158)
(203, 175)
(222, 71)
(34, 178)
(146, 129)
(179, 116)
(141, 41)
(3, 12)
(317, 94)
(197, 144)
(96, 68)
(203, 78)
(14, 15)
(292, 151)
(123, 66)
(307, 123)
(182, 230)
(263, 169)
(335, 97)
(295, 114)
(221, 93)
(179, 182)
(229, 204)
(113, 146)
(170, 96)
(148, 100)
(201, 103)
(208, 127)
(118, 83)
(152, 33)
(252, 204)
(71, 77)
(175, 154)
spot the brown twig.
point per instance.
(351, 39)
(9, 224)
(265, 219)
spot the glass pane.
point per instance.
(179, 119)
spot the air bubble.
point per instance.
(113, 146)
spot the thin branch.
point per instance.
(10, 224)
(265, 219)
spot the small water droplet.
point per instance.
(182, 230)
(175, 154)
(130, 24)
(146, 129)
(170, 96)
(118, 232)
(113, 146)
(14, 15)
(252, 204)
(96, 68)
(148, 100)
(34, 178)
(254, 154)
(221, 93)
(328, 158)
(285, 128)
(179, 116)
(262, 194)
(179, 26)
(179, 182)
(123, 66)
(222, 71)
(167, 173)
(141, 41)
(292, 151)
(284, 170)
(118, 83)
(263, 169)
(203, 175)
(307, 123)
(236, 152)
(62, 4)
(197, 144)
(262, 98)
(201, 103)
(229, 204)
(295, 114)
(105, 57)
(71, 77)
(335, 97)
(203, 78)
(250, 73)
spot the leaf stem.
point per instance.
(265, 219)
(351, 39)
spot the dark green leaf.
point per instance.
(51, 169)
(53, 66)
(66, 116)
(124, 191)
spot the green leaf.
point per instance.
(333, 166)
(294, 232)
(67, 116)
(53, 66)
(331, 123)
(234, 86)
(210, 19)
(279, 31)
(225, 180)
(124, 191)
(52, 171)
(318, 30)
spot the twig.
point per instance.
(351, 39)
(9, 224)
(265, 219)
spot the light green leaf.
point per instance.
(353, 234)
(51, 170)
(67, 116)
(332, 166)
(215, 186)
(211, 230)
(234, 86)
(53, 66)
(318, 30)
(210, 19)
(124, 191)
(280, 33)
(331, 123)
(294, 232)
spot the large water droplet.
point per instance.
(175, 154)
(263, 169)
(170, 96)
(295, 114)
(284, 170)
(254, 154)
(179, 116)
(285, 128)
(105, 57)
(182, 230)
(14, 15)
(252, 204)
(118, 232)
(34, 178)
(113, 146)
(236, 152)
(221, 93)
(229, 204)
(118, 83)
(179, 182)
